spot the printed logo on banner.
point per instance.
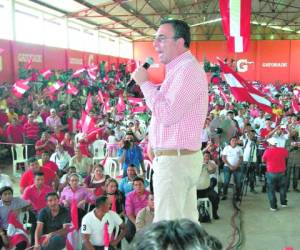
(22, 57)
(275, 65)
(242, 65)
(1, 68)
(76, 61)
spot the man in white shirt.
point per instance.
(61, 158)
(280, 136)
(250, 158)
(93, 226)
(232, 157)
(259, 122)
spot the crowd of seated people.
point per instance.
(60, 164)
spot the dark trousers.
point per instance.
(295, 170)
(55, 243)
(212, 196)
(248, 170)
(237, 175)
(131, 230)
(276, 181)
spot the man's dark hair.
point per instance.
(6, 188)
(51, 194)
(137, 178)
(181, 29)
(178, 234)
(39, 173)
(101, 200)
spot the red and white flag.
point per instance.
(28, 64)
(92, 72)
(135, 101)
(87, 123)
(78, 72)
(243, 91)
(121, 104)
(107, 106)
(89, 103)
(15, 230)
(236, 15)
(139, 109)
(72, 241)
(295, 106)
(56, 86)
(100, 97)
(46, 73)
(20, 87)
(225, 98)
(71, 89)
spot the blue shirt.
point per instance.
(133, 156)
(126, 186)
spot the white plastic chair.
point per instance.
(99, 150)
(19, 155)
(112, 168)
(207, 205)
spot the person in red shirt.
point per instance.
(14, 132)
(275, 158)
(267, 132)
(44, 144)
(31, 132)
(58, 135)
(27, 178)
(47, 163)
(35, 194)
(3, 118)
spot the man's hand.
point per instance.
(140, 75)
(47, 239)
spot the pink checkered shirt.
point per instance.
(179, 106)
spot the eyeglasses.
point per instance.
(161, 39)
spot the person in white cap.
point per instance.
(275, 158)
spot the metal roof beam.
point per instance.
(116, 19)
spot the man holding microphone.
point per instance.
(179, 108)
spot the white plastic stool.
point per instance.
(207, 205)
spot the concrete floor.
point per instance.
(261, 228)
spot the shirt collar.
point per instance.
(177, 60)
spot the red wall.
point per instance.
(45, 58)
(266, 60)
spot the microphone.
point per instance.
(149, 61)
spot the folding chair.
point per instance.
(19, 155)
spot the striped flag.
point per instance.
(295, 106)
(20, 87)
(78, 72)
(71, 89)
(121, 104)
(89, 103)
(46, 73)
(243, 91)
(87, 123)
(236, 16)
(56, 86)
(223, 95)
